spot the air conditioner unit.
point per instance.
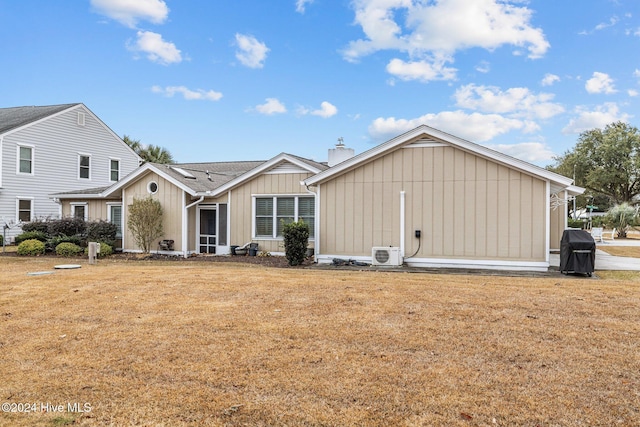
(386, 255)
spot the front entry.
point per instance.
(208, 232)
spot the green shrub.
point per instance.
(53, 242)
(1, 240)
(102, 231)
(296, 240)
(68, 249)
(30, 235)
(105, 250)
(70, 226)
(31, 247)
(575, 223)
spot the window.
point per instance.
(79, 210)
(25, 210)
(84, 166)
(115, 217)
(114, 169)
(25, 159)
(152, 187)
(269, 222)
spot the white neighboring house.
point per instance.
(53, 149)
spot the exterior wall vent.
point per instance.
(386, 255)
(80, 119)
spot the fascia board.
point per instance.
(465, 145)
(147, 167)
(257, 171)
(19, 128)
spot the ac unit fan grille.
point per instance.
(382, 257)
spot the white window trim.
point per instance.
(80, 156)
(149, 187)
(33, 159)
(119, 168)
(86, 209)
(275, 217)
(109, 206)
(33, 208)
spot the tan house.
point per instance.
(208, 207)
(424, 198)
(430, 199)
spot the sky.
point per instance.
(249, 79)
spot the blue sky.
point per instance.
(248, 79)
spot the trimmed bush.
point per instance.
(1, 240)
(32, 247)
(296, 240)
(53, 242)
(67, 227)
(102, 231)
(29, 235)
(68, 249)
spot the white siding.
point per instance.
(57, 141)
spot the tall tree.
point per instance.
(149, 153)
(605, 161)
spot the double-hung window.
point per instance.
(79, 210)
(273, 212)
(114, 169)
(25, 159)
(24, 210)
(84, 166)
(115, 217)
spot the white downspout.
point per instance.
(316, 225)
(402, 223)
(548, 223)
(185, 222)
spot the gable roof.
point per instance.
(305, 164)
(201, 179)
(425, 135)
(16, 117)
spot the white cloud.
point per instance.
(632, 93)
(129, 12)
(441, 28)
(326, 110)
(156, 48)
(636, 73)
(600, 83)
(188, 94)
(532, 152)
(251, 52)
(302, 4)
(271, 106)
(517, 102)
(420, 70)
(590, 119)
(550, 79)
(474, 127)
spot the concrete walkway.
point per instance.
(604, 261)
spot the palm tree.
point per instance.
(150, 153)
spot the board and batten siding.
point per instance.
(241, 206)
(465, 206)
(171, 199)
(56, 143)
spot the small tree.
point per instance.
(296, 239)
(621, 217)
(145, 222)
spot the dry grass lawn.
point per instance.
(202, 343)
